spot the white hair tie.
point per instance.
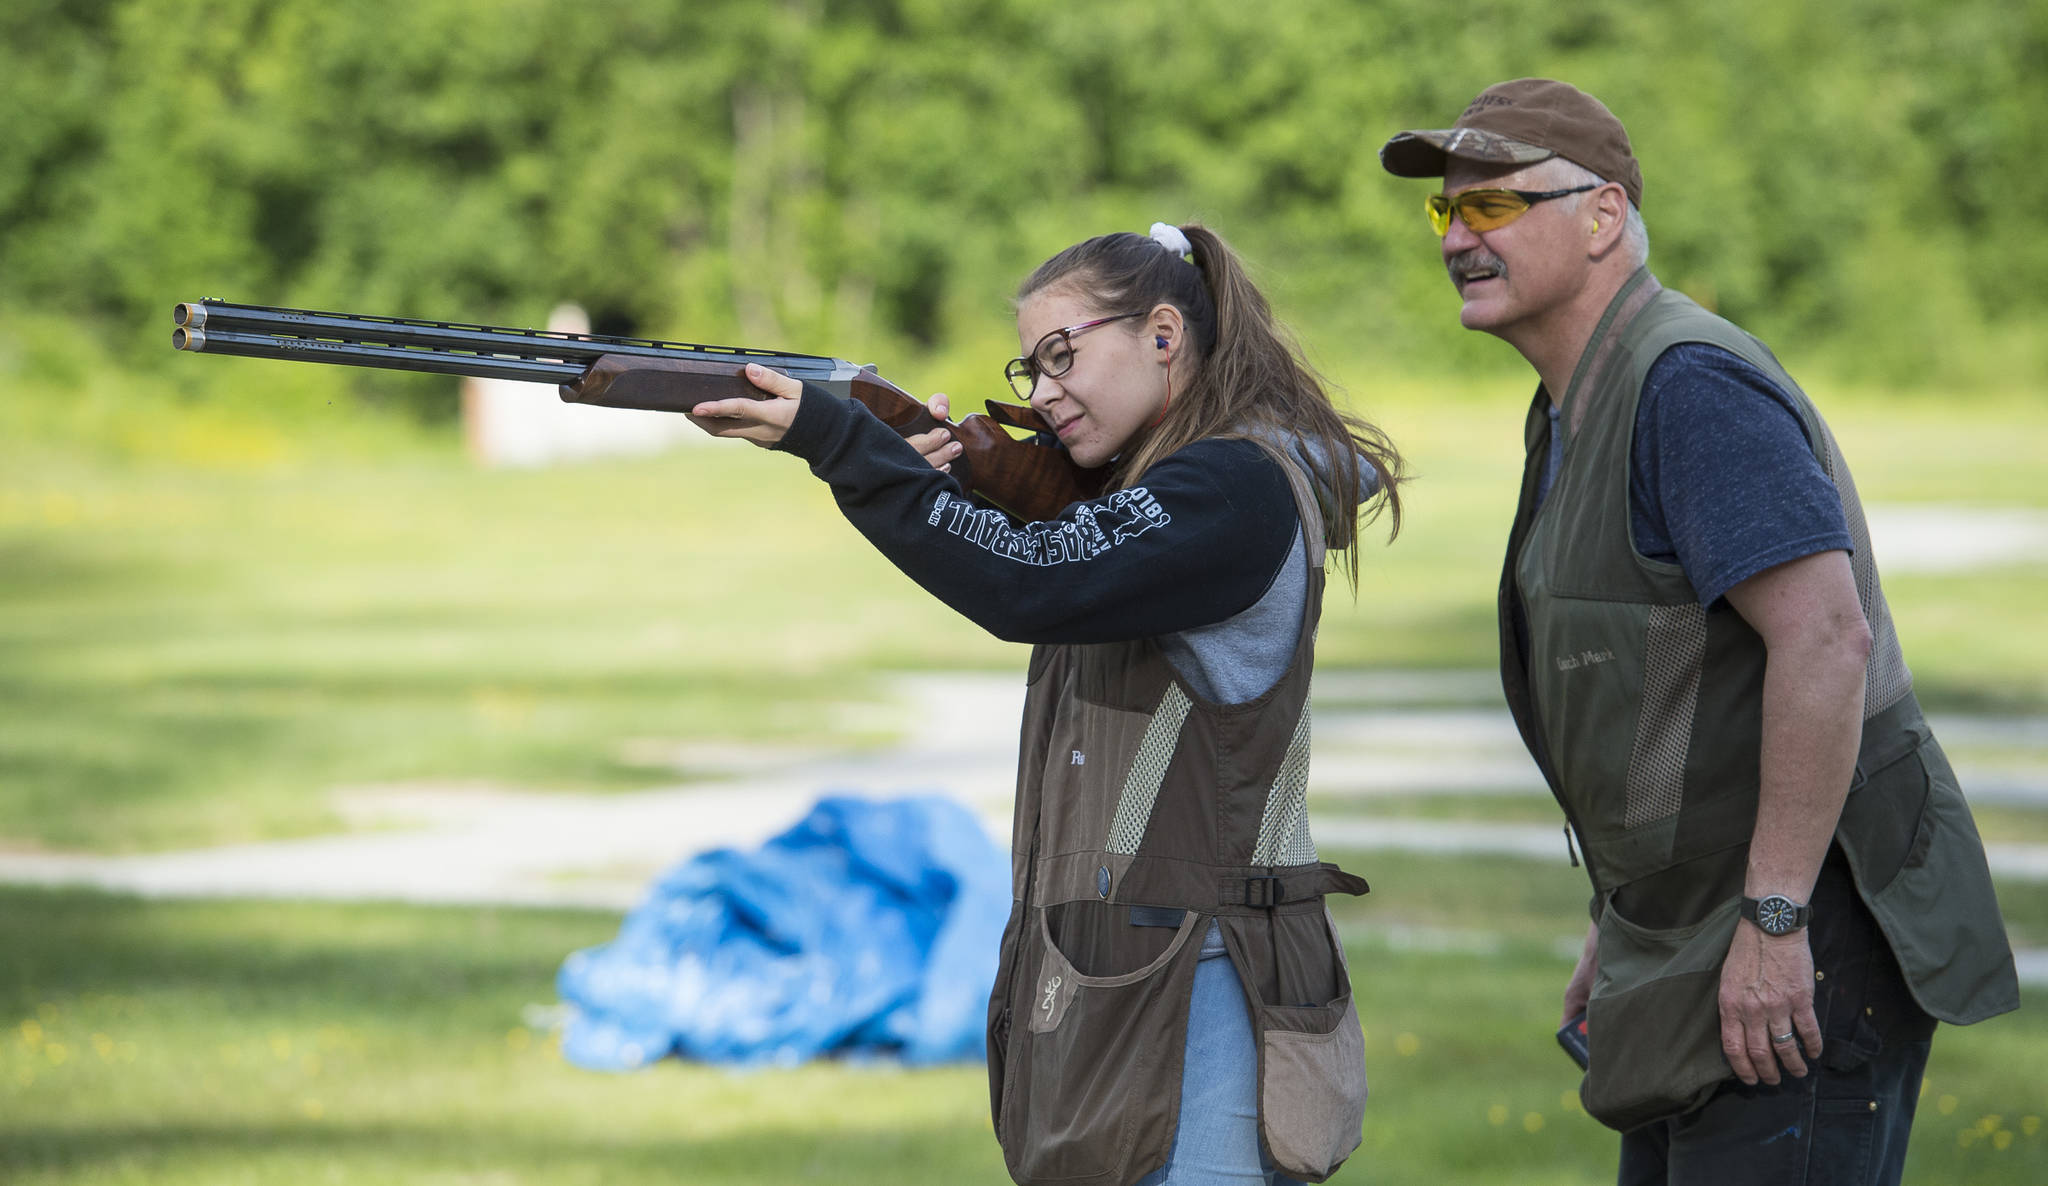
(1170, 237)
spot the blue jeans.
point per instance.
(1216, 1142)
(1838, 1126)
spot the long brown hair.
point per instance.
(1251, 379)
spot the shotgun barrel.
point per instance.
(1028, 480)
(390, 358)
(220, 327)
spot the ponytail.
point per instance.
(1251, 379)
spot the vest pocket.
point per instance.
(1653, 1023)
(1312, 1086)
(1939, 910)
(1093, 1085)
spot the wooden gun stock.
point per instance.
(1032, 482)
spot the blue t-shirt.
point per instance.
(1722, 480)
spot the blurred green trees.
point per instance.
(871, 176)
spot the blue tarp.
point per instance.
(870, 928)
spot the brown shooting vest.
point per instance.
(1136, 795)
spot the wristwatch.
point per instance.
(1776, 914)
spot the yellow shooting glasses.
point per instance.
(1489, 209)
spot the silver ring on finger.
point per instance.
(1782, 1039)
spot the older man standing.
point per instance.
(1789, 890)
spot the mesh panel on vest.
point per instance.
(1672, 656)
(1148, 770)
(1885, 678)
(1283, 830)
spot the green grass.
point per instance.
(236, 1042)
(219, 605)
(194, 656)
(2011, 823)
(211, 1042)
(228, 590)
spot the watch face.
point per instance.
(1777, 915)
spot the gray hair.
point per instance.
(1635, 236)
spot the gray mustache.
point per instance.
(1474, 260)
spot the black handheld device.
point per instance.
(1572, 1036)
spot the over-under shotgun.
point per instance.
(1028, 480)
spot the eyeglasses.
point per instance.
(1052, 357)
(1489, 209)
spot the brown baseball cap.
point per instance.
(1520, 123)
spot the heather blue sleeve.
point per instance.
(1724, 482)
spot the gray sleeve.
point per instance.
(1241, 657)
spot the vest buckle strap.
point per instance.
(1264, 892)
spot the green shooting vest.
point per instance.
(1144, 811)
(1644, 710)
